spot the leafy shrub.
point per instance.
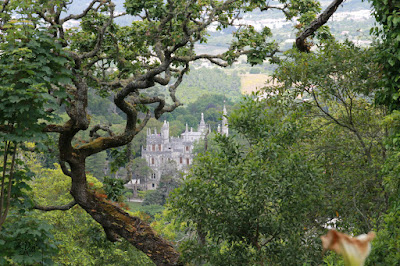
(114, 188)
(26, 241)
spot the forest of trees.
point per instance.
(318, 148)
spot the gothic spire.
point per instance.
(225, 130)
(202, 126)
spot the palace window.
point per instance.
(159, 147)
(152, 160)
(153, 147)
(153, 175)
(180, 160)
(153, 185)
(187, 148)
(187, 161)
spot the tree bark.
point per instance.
(115, 222)
(118, 223)
(4, 209)
(129, 99)
(315, 25)
(129, 171)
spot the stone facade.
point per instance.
(161, 148)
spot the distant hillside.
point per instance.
(209, 81)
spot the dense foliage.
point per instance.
(316, 138)
(318, 148)
(78, 238)
(351, 147)
(256, 202)
(388, 30)
(48, 67)
(27, 240)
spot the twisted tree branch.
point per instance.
(93, 132)
(56, 208)
(84, 13)
(315, 25)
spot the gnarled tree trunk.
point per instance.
(118, 223)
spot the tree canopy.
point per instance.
(54, 65)
(327, 130)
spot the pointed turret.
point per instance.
(185, 135)
(225, 130)
(202, 126)
(165, 132)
